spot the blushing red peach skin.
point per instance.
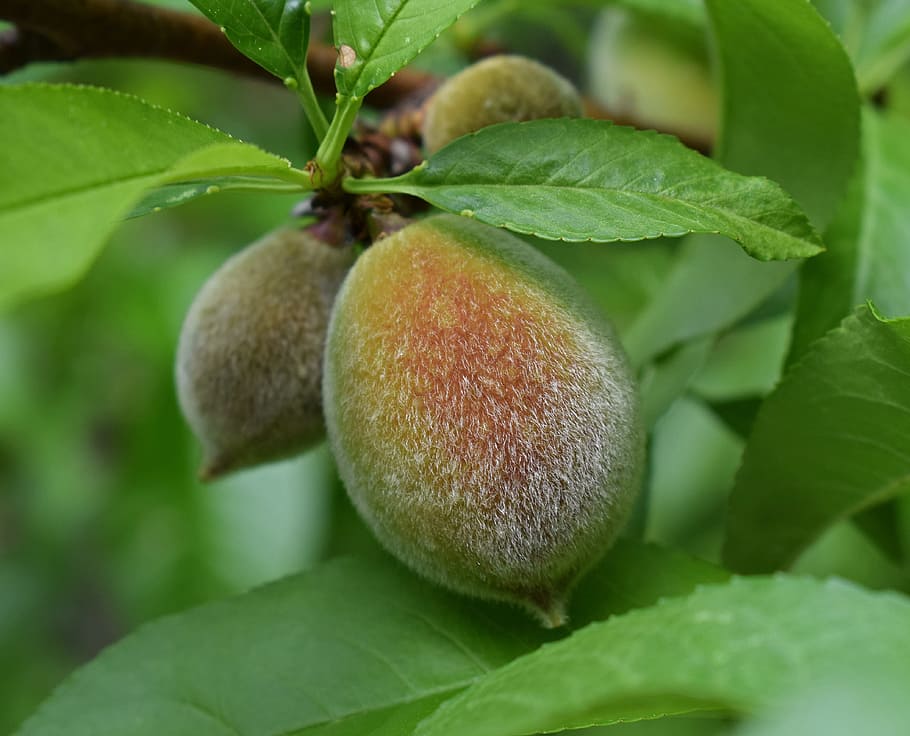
(482, 412)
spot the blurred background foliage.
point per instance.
(103, 525)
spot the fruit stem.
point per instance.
(328, 165)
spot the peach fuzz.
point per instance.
(482, 412)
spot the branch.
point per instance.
(66, 30)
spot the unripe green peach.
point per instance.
(653, 76)
(482, 412)
(499, 89)
(249, 361)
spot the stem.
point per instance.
(65, 30)
(307, 96)
(373, 185)
(328, 157)
(76, 29)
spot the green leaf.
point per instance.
(710, 287)
(790, 105)
(174, 195)
(790, 116)
(737, 414)
(663, 381)
(636, 575)
(233, 159)
(867, 254)
(348, 642)
(78, 159)
(693, 461)
(623, 281)
(881, 524)
(382, 36)
(351, 647)
(734, 647)
(849, 552)
(591, 180)
(746, 361)
(832, 439)
(273, 33)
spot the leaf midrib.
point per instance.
(382, 33)
(415, 189)
(77, 190)
(398, 702)
(159, 176)
(864, 239)
(275, 38)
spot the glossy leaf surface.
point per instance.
(832, 439)
(732, 647)
(590, 180)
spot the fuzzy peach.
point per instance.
(499, 89)
(482, 412)
(249, 361)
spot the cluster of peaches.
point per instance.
(481, 410)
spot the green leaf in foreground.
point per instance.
(350, 648)
(833, 438)
(78, 159)
(734, 647)
(378, 38)
(346, 641)
(592, 180)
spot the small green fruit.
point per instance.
(249, 361)
(653, 75)
(499, 89)
(482, 412)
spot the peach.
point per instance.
(499, 89)
(249, 361)
(482, 412)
